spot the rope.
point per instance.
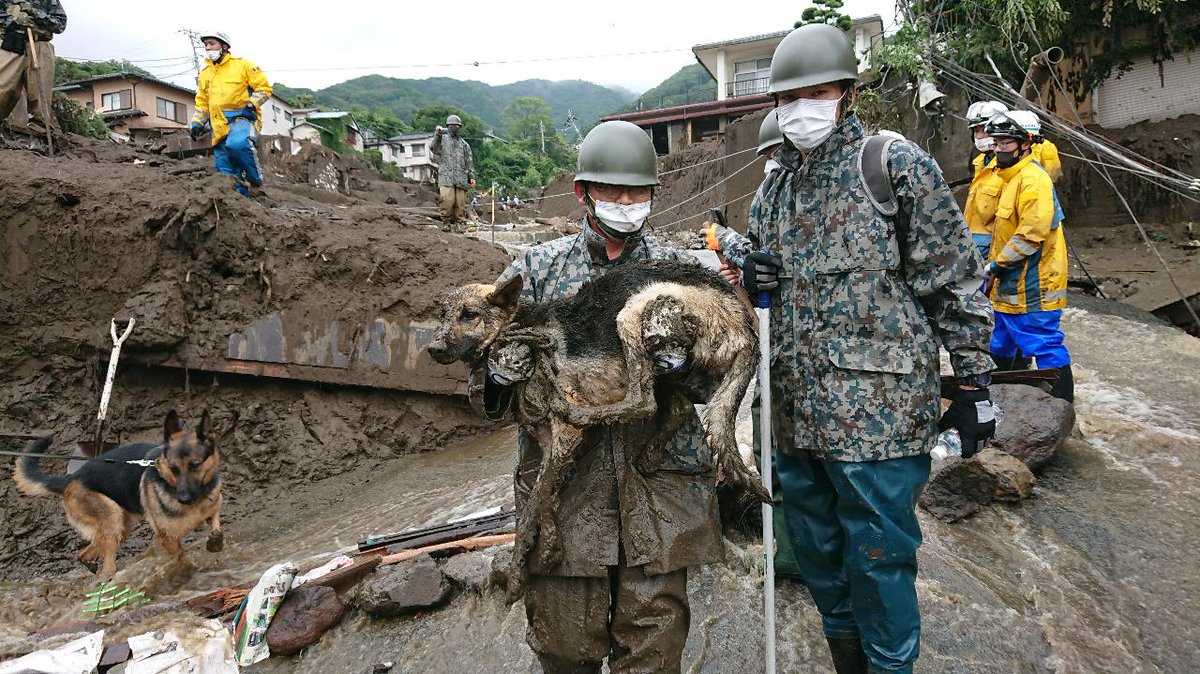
(145, 463)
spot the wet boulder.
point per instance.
(958, 488)
(469, 570)
(404, 588)
(306, 613)
(1034, 424)
(501, 563)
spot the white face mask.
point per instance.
(213, 55)
(808, 122)
(985, 144)
(771, 166)
(622, 218)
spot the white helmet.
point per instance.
(224, 39)
(1028, 121)
(979, 112)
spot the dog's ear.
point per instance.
(203, 427)
(507, 294)
(171, 426)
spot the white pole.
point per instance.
(764, 464)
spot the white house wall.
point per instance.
(1140, 95)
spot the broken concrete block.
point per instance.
(306, 613)
(404, 588)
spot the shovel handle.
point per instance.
(37, 65)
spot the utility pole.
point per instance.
(542, 128)
(194, 41)
(573, 121)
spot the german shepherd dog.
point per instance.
(176, 495)
(597, 357)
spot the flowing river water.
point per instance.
(1096, 573)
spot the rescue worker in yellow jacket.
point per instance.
(985, 184)
(1044, 151)
(229, 98)
(1027, 274)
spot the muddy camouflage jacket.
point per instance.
(855, 331)
(48, 17)
(456, 168)
(665, 519)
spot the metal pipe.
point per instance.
(1038, 72)
(763, 309)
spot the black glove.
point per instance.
(972, 414)
(760, 271)
(196, 131)
(250, 113)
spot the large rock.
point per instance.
(469, 570)
(306, 613)
(404, 588)
(957, 488)
(161, 322)
(1034, 423)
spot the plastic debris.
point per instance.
(254, 616)
(76, 657)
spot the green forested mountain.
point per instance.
(692, 84)
(403, 97)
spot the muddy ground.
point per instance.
(102, 230)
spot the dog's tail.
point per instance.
(29, 476)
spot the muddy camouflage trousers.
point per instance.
(639, 622)
(855, 536)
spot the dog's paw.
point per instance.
(216, 542)
(92, 565)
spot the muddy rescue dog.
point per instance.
(597, 357)
(176, 494)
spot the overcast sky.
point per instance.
(633, 44)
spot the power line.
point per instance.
(546, 59)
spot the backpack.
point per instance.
(873, 171)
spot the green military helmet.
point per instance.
(812, 54)
(453, 119)
(769, 134)
(617, 153)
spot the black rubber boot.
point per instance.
(848, 656)
(1064, 386)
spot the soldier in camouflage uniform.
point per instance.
(456, 172)
(629, 531)
(865, 300)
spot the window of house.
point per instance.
(418, 149)
(751, 77)
(117, 100)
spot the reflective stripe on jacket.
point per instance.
(229, 85)
(1030, 252)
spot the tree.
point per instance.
(72, 71)
(380, 121)
(826, 11)
(305, 100)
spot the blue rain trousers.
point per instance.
(237, 154)
(855, 535)
(1036, 334)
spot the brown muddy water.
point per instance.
(1097, 573)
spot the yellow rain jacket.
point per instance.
(982, 200)
(229, 84)
(1028, 246)
(1046, 154)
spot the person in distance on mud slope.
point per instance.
(229, 98)
(456, 172)
(865, 300)
(18, 73)
(1027, 275)
(628, 531)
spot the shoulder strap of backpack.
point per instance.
(873, 169)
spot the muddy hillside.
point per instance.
(323, 289)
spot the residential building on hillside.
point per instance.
(413, 155)
(135, 107)
(278, 117)
(329, 121)
(742, 71)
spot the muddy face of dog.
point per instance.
(471, 318)
(189, 461)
